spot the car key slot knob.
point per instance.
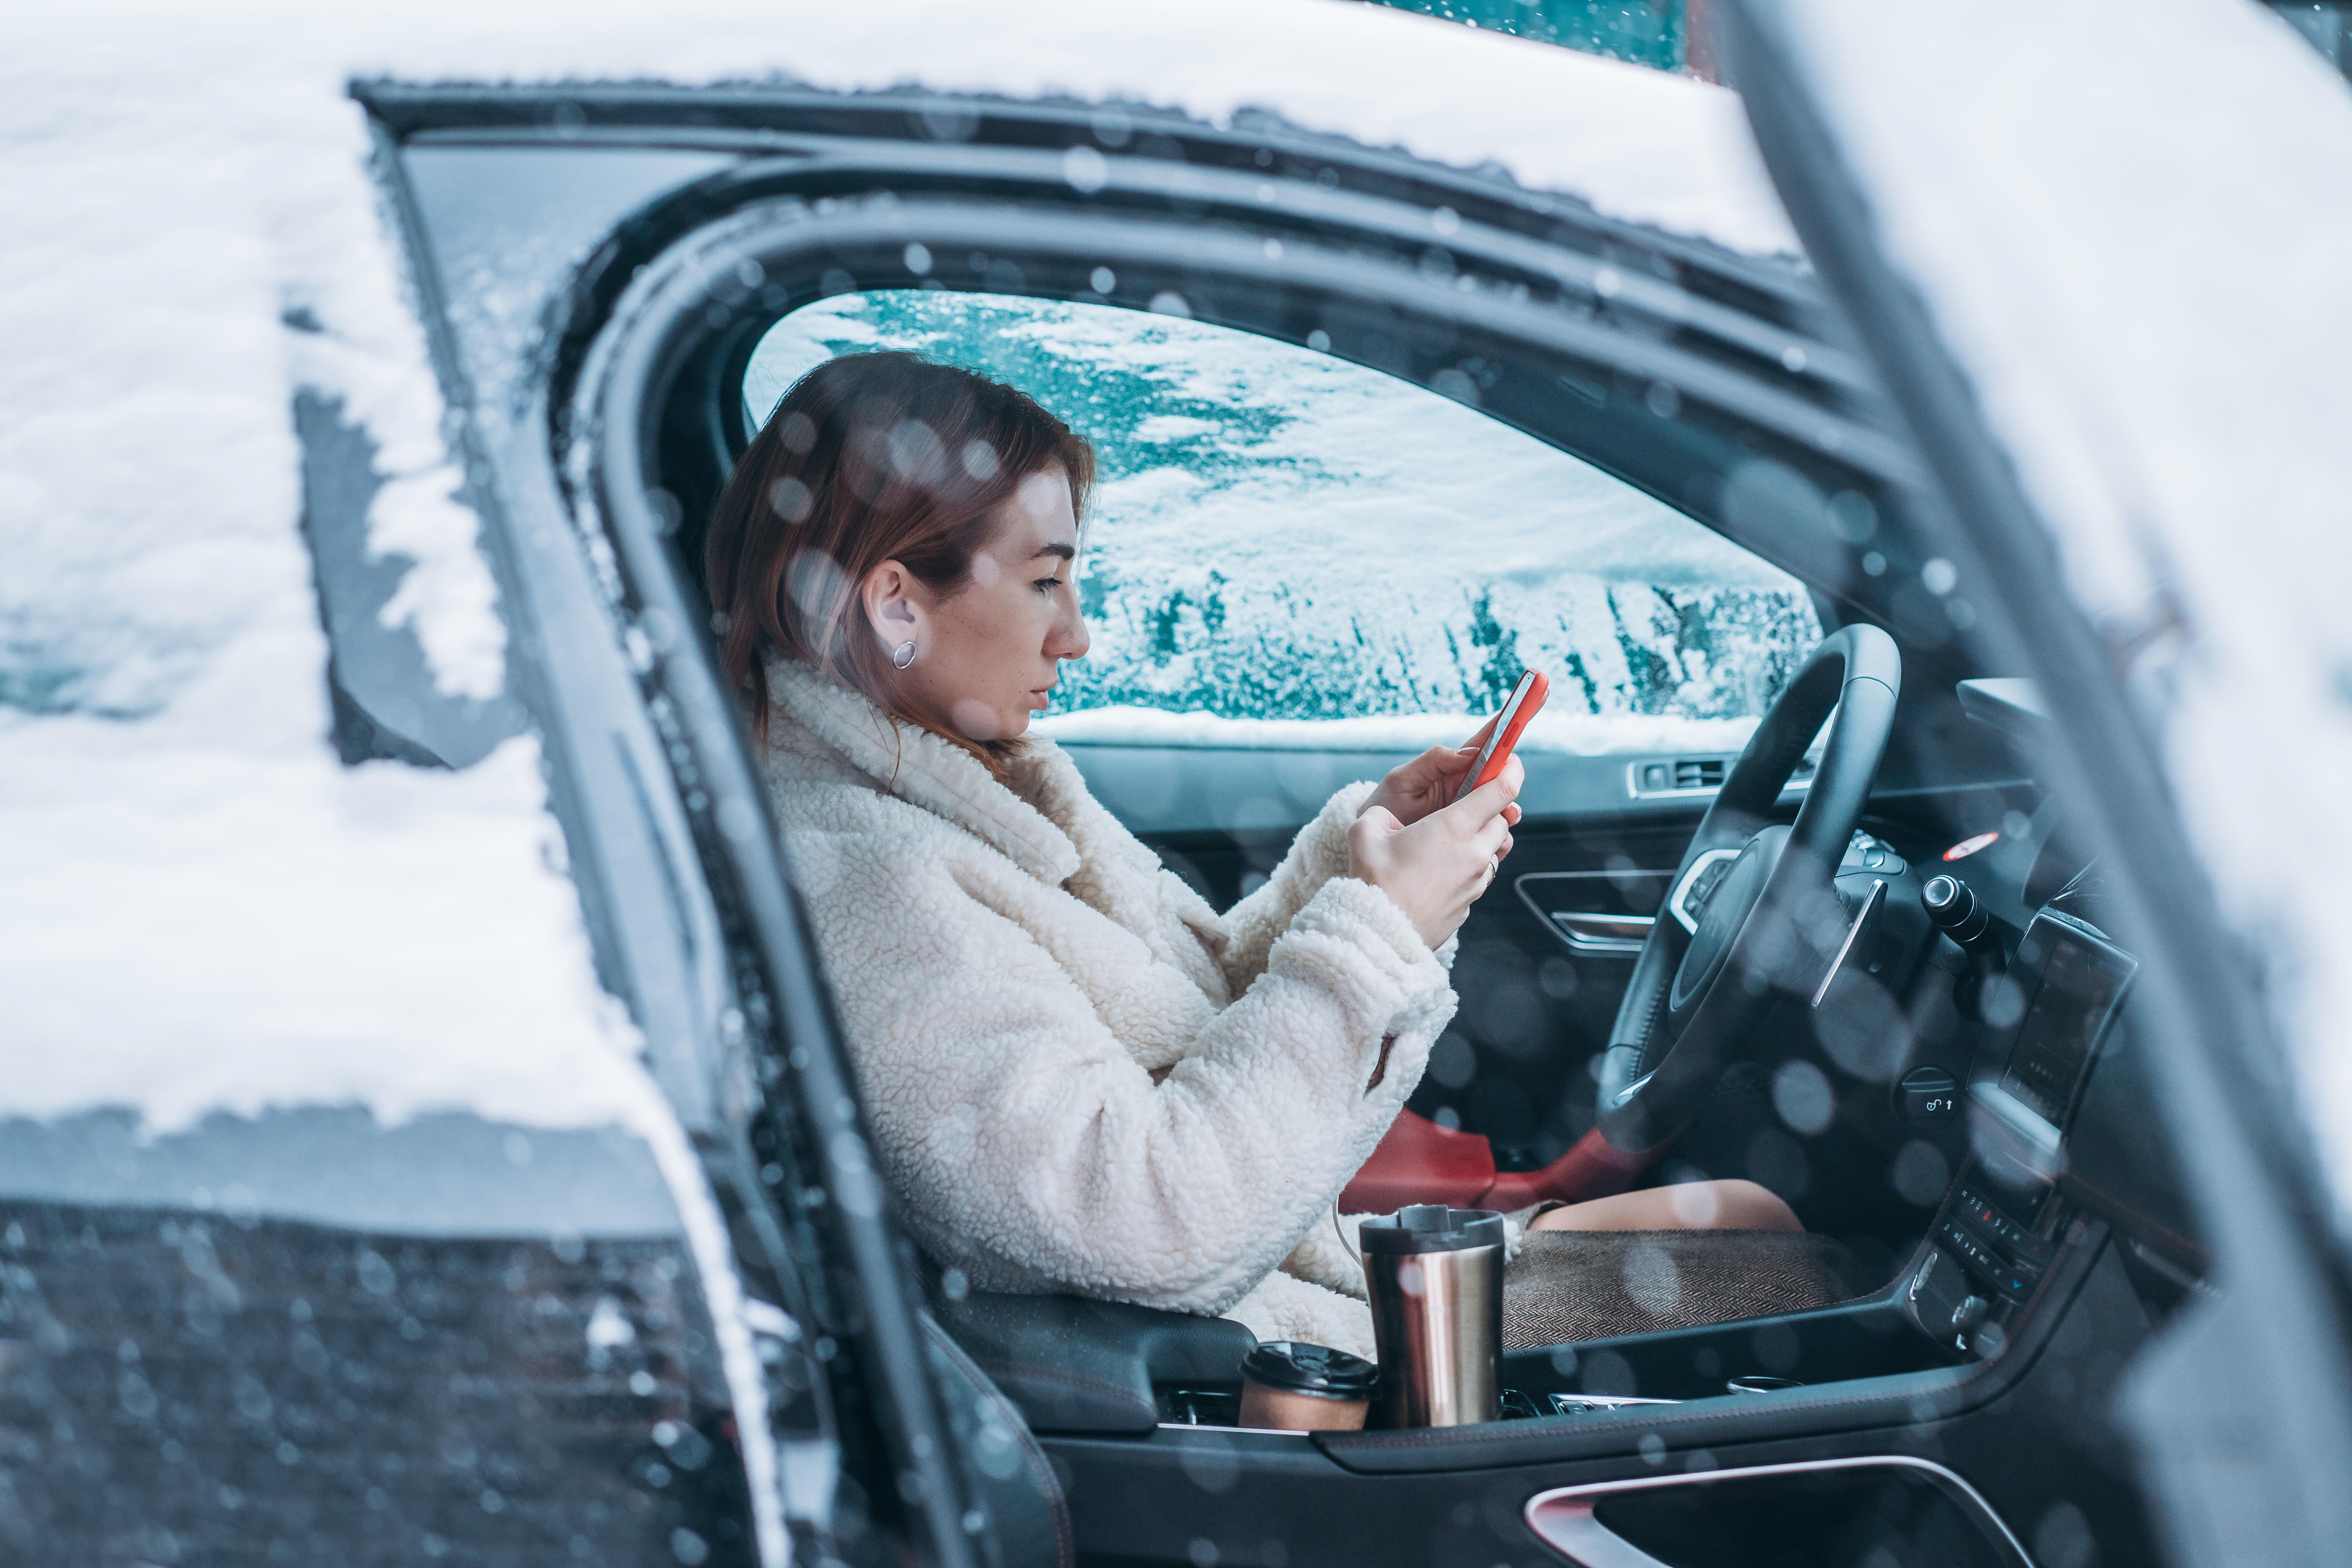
(1955, 911)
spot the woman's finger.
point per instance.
(1428, 782)
(1491, 839)
(1444, 764)
(1415, 774)
(1490, 798)
(1446, 770)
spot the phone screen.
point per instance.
(1526, 699)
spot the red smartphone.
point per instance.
(1526, 699)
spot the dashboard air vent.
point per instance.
(1699, 773)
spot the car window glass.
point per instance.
(1286, 549)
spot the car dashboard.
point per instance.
(2062, 1118)
(2044, 1017)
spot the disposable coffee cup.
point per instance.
(1292, 1387)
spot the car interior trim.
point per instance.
(1871, 900)
(1603, 933)
(1565, 1517)
(1640, 790)
(779, 117)
(1909, 1400)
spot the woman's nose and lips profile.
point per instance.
(981, 659)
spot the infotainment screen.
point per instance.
(2081, 980)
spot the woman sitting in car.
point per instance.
(1083, 1080)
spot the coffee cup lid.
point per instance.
(1310, 1369)
(1431, 1227)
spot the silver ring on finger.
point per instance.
(1494, 867)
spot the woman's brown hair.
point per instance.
(869, 458)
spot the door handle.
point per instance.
(1563, 1519)
(1568, 1528)
(1590, 932)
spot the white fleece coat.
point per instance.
(1082, 1079)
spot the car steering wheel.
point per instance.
(1753, 911)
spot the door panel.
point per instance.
(1515, 1065)
(1596, 912)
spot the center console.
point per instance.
(2001, 1224)
(2018, 1220)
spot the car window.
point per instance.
(1289, 549)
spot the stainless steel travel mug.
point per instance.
(1434, 1275)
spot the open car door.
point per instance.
(1963, 1408)
(2057, 285)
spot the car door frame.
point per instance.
(667, 837)
(1387, 1485)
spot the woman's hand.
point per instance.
(1428, 782)
(1436, 867)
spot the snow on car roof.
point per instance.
(206, 911)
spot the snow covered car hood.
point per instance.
(2151, 308)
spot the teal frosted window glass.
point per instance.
(1646, 32)
(1285, 548)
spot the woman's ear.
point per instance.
(889, 596)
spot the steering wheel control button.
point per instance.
(1868, 853)
(1703, 885)
(1689, 900)
(1727, 908)
(1927, 1096)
